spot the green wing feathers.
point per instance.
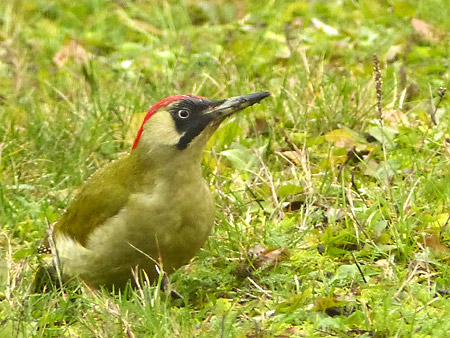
(105, 195)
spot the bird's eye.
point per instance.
(183, 114)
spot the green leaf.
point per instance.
(403, 9)
(240, 158)
(386, 134)
(289, 189)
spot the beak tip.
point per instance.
(257, 97)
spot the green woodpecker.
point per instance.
(151, 207)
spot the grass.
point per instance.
(351, 208)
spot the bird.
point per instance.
(150, 209)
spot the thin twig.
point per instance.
(359, 268)
(355, 187)
(441, 94)
(428, 304)
(55, 255)
(407, 280)
(357, 224)
(443, 228)
(259, 287)
(254, 196)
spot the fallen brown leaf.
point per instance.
(294, 156)
(266, 258)
(71, 50)
(425, 30)
(438, 249)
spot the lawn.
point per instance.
(332, 196)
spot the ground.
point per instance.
(332, 195)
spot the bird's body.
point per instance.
(138, 220)
(151, 207)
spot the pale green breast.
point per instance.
(171, 222)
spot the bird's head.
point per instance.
(184, 123)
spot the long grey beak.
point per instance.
(234, 104)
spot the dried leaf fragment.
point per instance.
(71, 50)
(425, 30)
(266, 258)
